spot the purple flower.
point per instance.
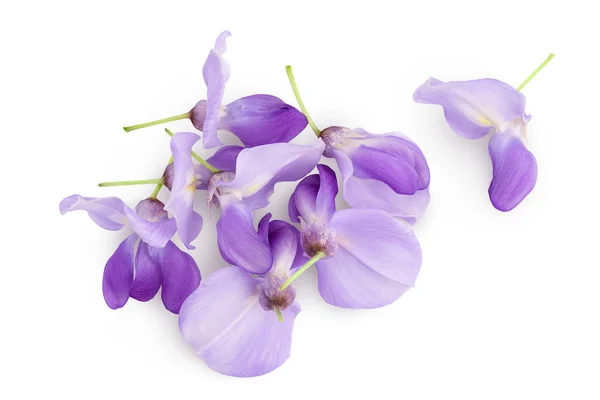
(387, 172)
(256, 120)
(157, 261)
(240, 324)
(476, 108)
(238, 191)
(365, 258)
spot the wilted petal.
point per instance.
(239, 243)
(118, 274)
(147, 278)
(181, 202)
(370, 193)
(106, 212)
(262, 119)
(377, 260)
(216, 73)
(224, 160)
(514, 169)
(258, 169)
(230, 331)
(180, 274)
(284, 240)
(473, 108)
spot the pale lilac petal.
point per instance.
(216, 73)
(106, 212)
(230, 331)
(118, 274)
(181, 202)
(154, 233)
(258, 169)
(262, 119)
(474, 108)
(239, 243)
(224, 160)
(180, 274)
(514, 170)
(148, 277)
(370, 193)
(377, 260)
(284, 240)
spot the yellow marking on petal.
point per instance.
(482, 119)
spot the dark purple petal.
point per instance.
(238, 241)
(106, 212)
(377, 260)
(180, 275)
(284, 240)
(230, 331)
(262, 119)
(118, 274)
(473, 108)
(314, 198)
(263, 227)
(258, 169)
(370, 193)
(514, 169)
(216, 73)
(147, 278)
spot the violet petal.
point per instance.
(118, 274)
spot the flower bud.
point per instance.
(271, 298)
(318, 238)
(151, 210)
(198, 115)
(169, 175)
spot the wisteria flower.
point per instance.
(476, 108)
(387, 172)
(365, 258)
(241, 324)
(139, 273)
(256, 120)
(239, 192)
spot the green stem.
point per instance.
(197, 157)
(534, 73)
(130, 183)
(279, 316)
(290, 74)
(159, 185)
(301, 270)
(157, 122)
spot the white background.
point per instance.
(506, 306)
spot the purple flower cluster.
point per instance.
(239, 319)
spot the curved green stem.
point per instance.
(301, 270)
(279, 316)
(290, 74)
(131, 183)
(534, 73)
(157, 122)
(197, 157)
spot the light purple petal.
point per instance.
(106, 212)
(181, 202)
(284, 240)
(377, 260)
(230, 331)
(370, 193)
(224, 160)
(147, 278)
(474, 108)
(262, 119)
(180, 274)
(216, 73)
(258, 169)
(239, 243)
(514, 170)
(154, 233)
(118, 274)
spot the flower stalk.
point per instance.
(131, 183)
(290, 74)
(534, 73)
(301, 270)
(157, 122)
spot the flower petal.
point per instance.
(216, 73)
(224, 160)
(147, 278)
(230, 331)
(514, 170)
(106, 212)
(181, 202)
(473, 108)
(370, 193)
(377, 260)
(284, 240)
(180, 274)
(118, 274)
(239, 243)
(258, 169)
(262, 119)
(154, 233)
(263, 227)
